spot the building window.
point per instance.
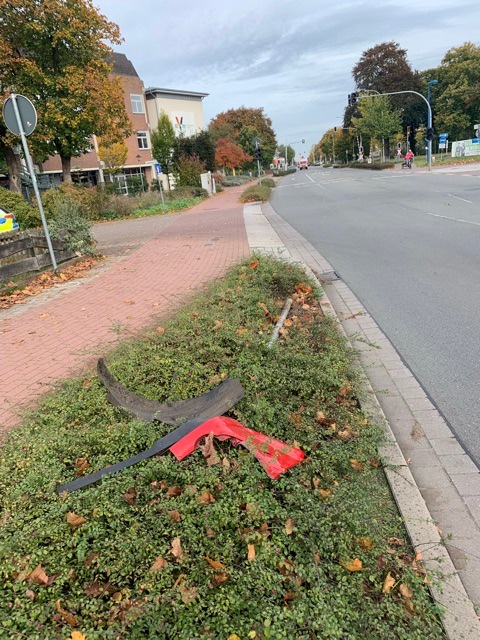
(142, 139)
(137, 103)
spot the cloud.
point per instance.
(293, 58)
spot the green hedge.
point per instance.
(26, 215)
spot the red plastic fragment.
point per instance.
(275, 456)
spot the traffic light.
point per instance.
(429, 134)
(258, 153)
(353, 98)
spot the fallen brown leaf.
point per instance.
(68, 617)
(353, 565)
(356, 464)
(396, 542)
(405, 591)
(74, 520)
(388, 583)
(174, 491)
(214, 563)
(208, 450)
(251, 552)
(289, 526)
(176, 549)
(218, 578)
(38, 576)
(175, 515)
(205, 498)
(189, 594)
(160, 563)
(366, 542)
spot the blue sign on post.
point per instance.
(158, 168)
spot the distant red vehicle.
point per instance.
(303, 163)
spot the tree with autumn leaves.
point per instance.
(229, 155)
(241, 126)
(55, 52)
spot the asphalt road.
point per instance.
(408, 245)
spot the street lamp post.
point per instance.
(286, 149)
(429, 141)
(139, 158)
(429, 117)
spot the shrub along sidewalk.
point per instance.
(210, 547)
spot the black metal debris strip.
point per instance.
(187, 415)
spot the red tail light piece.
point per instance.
(275, 456)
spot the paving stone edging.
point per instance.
(459, 617)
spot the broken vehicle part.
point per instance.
(208, 405)
(159, 447)
(274, 455)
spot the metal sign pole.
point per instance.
(33, 176)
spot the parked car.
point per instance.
(7, 221)
(292, 167)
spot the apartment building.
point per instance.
(184, 108)
(143, 107)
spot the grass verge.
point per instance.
(190, 550)
(168, 207)
(256, 193)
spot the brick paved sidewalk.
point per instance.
(45, 343)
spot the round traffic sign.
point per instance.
(27, 114)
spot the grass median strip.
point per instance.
(210, 547)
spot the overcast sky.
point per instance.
(294, 58)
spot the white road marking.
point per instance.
(458, 198)
(436, 215)
(316, 183)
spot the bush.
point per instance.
(188, 170)
(256, 193)
(370, 167)
(135, 185)
(181, 193)
(68, 217)
(118, 207)
(26, 215)
(91, 201)
(270, 182)
(236, 181)
(284, 173)
(218, 177)
(147, 199)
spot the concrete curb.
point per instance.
(459, 617)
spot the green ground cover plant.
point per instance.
(169, 207)
(210, 547)
(256, 193)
